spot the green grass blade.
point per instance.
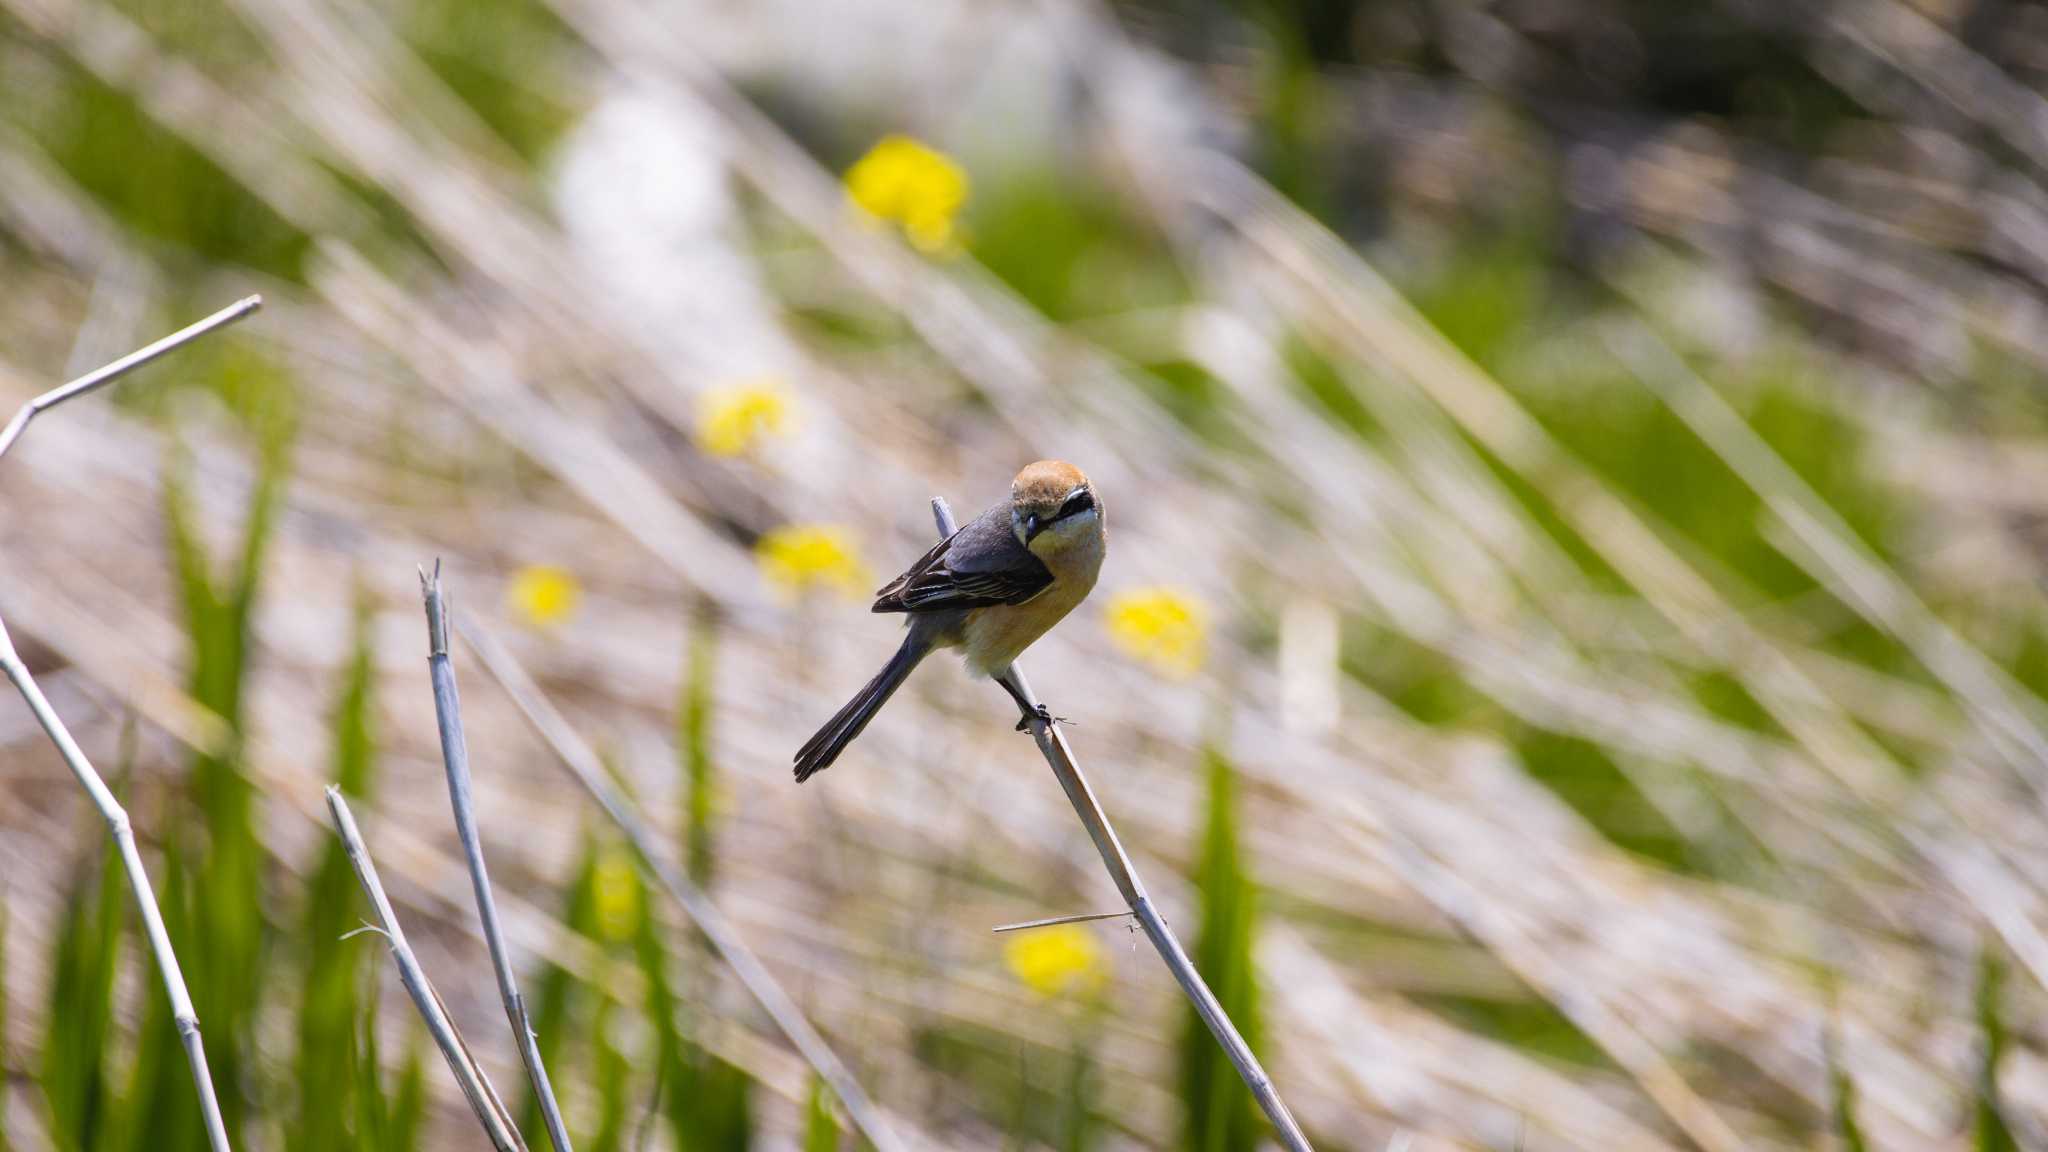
(81, 1017)
(821, 1131)
(613, 1075)
(162, 1113)
(387, 1120)
(1077, 1115)
(372, 1111)
(228, 946)
(718, 1095)
(1219, 1114)
(273, 425)
(409, 1102)
(329, 1071)
(188, 555)
(660, 1006)
(1842, 1092)
(693, 740)
(708, 1103)
(555, 991)
(1993, 1133)
(720, 1101)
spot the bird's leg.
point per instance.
(1031, 711)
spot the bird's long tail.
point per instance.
(839, 731)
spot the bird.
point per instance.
(990, 590)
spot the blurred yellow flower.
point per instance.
(799, 557)
(541, 596)
(1166, 628)
(917, 188)
(1057, 961)
(617, 893)
(731, 421)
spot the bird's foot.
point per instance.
(1040, 715)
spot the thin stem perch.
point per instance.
(476, 1087)
(123, 833)
(1053, 744)
(455, 758)
(107, 374)
(581, 760)
(118, 824)
(1054, 921)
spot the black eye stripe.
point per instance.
(1076, 504)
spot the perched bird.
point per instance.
(989, 589)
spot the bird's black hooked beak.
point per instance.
(1030, 527)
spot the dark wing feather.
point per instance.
(980, 565)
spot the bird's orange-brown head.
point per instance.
(1051, 501)
(1046, 483)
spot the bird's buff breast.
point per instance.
(996, 636)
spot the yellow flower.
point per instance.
(1057, 961)
(731, 421)
(616, 892)
(917, 188)
(800, 557)
(541, 596)
(1166, 628)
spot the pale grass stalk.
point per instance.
(100, 377)
(118, 824)
(583, 764)
(119, 827)
(469, 1075)
(455, 759)
(1052, 743)
(1055, 921)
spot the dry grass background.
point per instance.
(1808, 693)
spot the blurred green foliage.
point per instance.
(152, 182)
(577, 1021)
(392, 1119)
(1842, 1101)
(1079, 1124)
(1994, 1134)
(76, 1056)
(1069, 247)
(998, 1077)
(1585, 777)
(821, 1131)
(497, 59)
(708, 1103)
(331, 1070)
(693, 741)
(203, 32)
(555, 990)
(217, 922)
(225, 944)
(1220, 1115)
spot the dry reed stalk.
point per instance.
(476, 1087)
(455, 759)
(118, 824)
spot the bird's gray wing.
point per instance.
(980, 565)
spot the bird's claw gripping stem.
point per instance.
(1041, 713)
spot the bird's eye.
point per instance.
(1076, 504)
